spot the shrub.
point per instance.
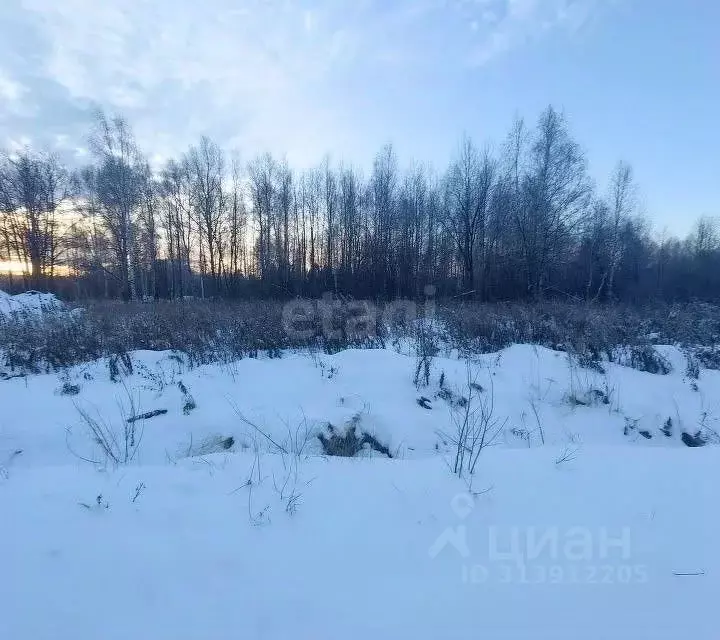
(226, 330)
(69, 389)
(707, 356)
(474, 426)
(692, 369)
(118, 445)
(425, 350)
(587, 359)
(120, 365)
(189, 403)
(643, 357)
(348, 443)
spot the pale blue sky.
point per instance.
(638, 79)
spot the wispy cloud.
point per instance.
(11, 94)
(9, 89)
(515, 23)
(257, 70)
(265, 74)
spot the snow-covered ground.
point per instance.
(202, 554)
(589, 535)
(30, 302)
(539, 395)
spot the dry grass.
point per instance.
(224, 331)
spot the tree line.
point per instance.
(522, 220)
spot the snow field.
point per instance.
(601, 533)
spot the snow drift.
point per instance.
(591, 519)
(30, 302)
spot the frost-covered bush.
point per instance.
(643, 357)
(707, 356)
(594, 330)
(224, 331)
(69, 389)
(692, 368)
(426, 349)
(349, 444)
(350, 441)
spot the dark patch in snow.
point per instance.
(69, 389)
(349, 444)
(147, 415)
(667, 428)
(696, 440)
(424, 402)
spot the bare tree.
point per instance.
(555, 193)
(312, 198)
(261, 173)
(330, 202)
(148, 236)
(285, 194)
(350, 196)
(524, 223)
(118, 180)
(705, 236)
(32, 189)
(469, 186)
(383, 200)
(177, 225)
(622, 206)
(206, 171)
(237, 222)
